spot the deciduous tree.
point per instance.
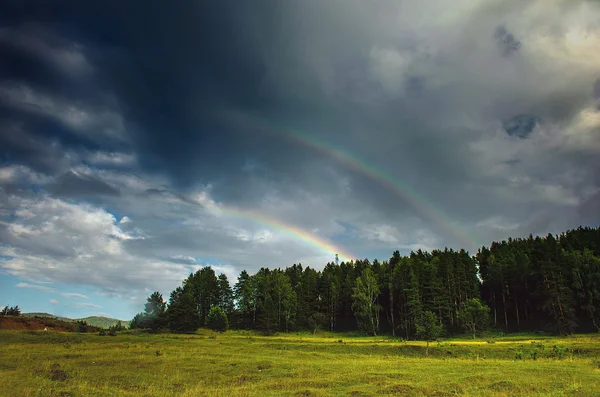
(429, 328)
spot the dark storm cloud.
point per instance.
(520, 126)
(19, 146)
(172, 69)
(596, 93)
(506, 41)
(589, 210)
(369, 124)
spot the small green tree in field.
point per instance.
(474, 315)
(112, 331)
(217, 319)
(429, 328)
(315, 321)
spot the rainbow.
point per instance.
(298, 233)
(400, 188)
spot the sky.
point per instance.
(141, 142)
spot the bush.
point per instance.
(217, 319)
(146, 321)
(560, 352)
(82, 326)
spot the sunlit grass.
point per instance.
(246, 364)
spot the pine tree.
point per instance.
(181, 313)
(225, 294)
(204, 288)
(246, 298)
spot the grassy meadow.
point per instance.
(238, 363)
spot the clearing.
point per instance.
(239, 363)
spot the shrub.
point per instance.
(82, 326)
(560, 352)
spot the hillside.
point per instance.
(104, 322)
(41, 323)
(94, 321)
(35, 314)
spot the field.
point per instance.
(237, 363)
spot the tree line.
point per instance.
(547, 283)
(10, 311)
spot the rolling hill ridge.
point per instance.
(95, 321)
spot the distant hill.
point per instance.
(104, 322)
(46, 315)
(46, 323)
(94, 321)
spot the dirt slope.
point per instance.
(39, 324)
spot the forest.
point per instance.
(536, 284)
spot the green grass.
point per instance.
(241, 363)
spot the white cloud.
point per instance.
(35, 286)
(498, 223)
(583, 134)
(61, 228)
(54, 301)
(231, 272)
(86, 304)
(127, 181)
(382, 233)
(56, 237)
(184, 259)
(389, 67)
(73, 295)
(111, 158)
(79, 244)
(103, 314)
(21, 174)
(556, 194)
